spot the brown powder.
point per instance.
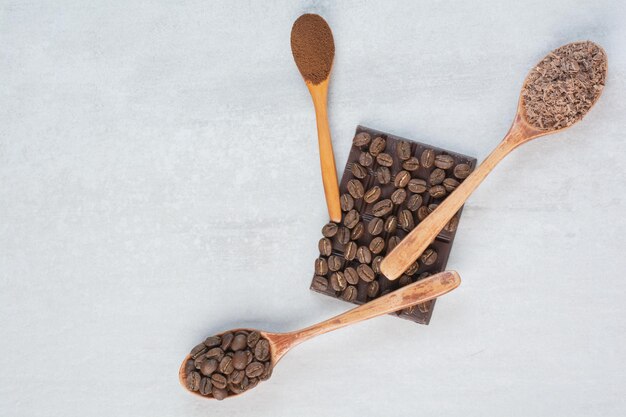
(561, 89)
(313, 47)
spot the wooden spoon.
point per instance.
(313, 50)
(418, 292)
(416, 242)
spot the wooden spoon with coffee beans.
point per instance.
(556, 94)
(235, 361)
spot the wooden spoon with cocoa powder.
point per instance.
(313, 50)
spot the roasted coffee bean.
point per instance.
(254, 369)
(227, 339)
(382, 208)
(325, 246)
(462, 171)
(343, 235)
(236, 376)
(372, 289)
(375, 226)
(404, 281)
(320, 283)
(403, 150)
(349, 251)
(372, 195)
(213, 341)
(357, 231)
(398, 196)
(391, 224)
(219, 393)
(349, 294)
(193, 381)
(321, 266)
(402, 179)
(215, 353)
(351, 219)
(335, 263)
(262, 350)
(417, 185)
(364, 255)
(450, 184)
(226, 365)
(253, 338)
(411, 270)
(267, 371)
(377, 245)
(330, 229)
(361, 139)
(452, 225)
(392, 243)
(444, 161)
(239, 342)
(384, 159)
(411, 164)
(422, 213)
(355, 188)
(358, 171)
(405, 220)
(365, 273)
(205, 386)
(190, 366)
(378, 145)
(415, 202)
(366, 159)
(437, 176)
(428, 158)
(424, 307)
(376, 264)
(199, 361)
(219, 381)
(346, 201)
(199, 350)
(338, 281)
(240, 360)
(208, 367)
(351, 275)
(383, 175)
(432, 207)
(437, 191)
(429, 257)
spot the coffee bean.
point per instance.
(346, 201)
(417, 185)
(254, 369)
(351, 275)
(429, 257)
(450, 184)
(437, 176)
(321, 266)
(384, 159)
(372, 289)
(366, 159)
(199, 350)
(325, 246)
(382, 208)
(411, 270)
(254, 382)
(375, 226)
(349, 251)
(424, 307)
(213, 341)
(349, 294)
(227, 339)
(402, 179)
(438, 191)
(378, 145)
(428, 158)
(190, 366)
(205, 386)
(432, 207)
(262, 350)
(338, 281)
(253, 338)
(219, 381)
(319, 283)
(376, 264)
(392, 243)
(355, 188)
(208, 367)
(364, 255)
(236, 376)
(411, 164)
(372, 195)
(404, 281)
(193, 381)
(335, 263)
(343, 235)
(361, 139)
(391, 224)
(226, 365)
(452, 225)
(398, 196)
(240, 360)
(377, 245)
(267, 372)
(215, 353)
(444, 161)
(462, 171)
(415, 201)
(422, 213)
(351, 219)
(357, 231)
(403, 150)
(330, 229)
(358, 171)
(199, 361)
(365, 273)
(383, 175)
(405, 220)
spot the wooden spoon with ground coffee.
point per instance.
(313, 50)
(235, 361)
(558, 92)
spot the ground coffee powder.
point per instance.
(313, 47)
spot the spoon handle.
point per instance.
(418, 292)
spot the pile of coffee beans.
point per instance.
(228, 364)
(390, 185)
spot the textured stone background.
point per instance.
(156, 156)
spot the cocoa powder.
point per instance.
(312, 47)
